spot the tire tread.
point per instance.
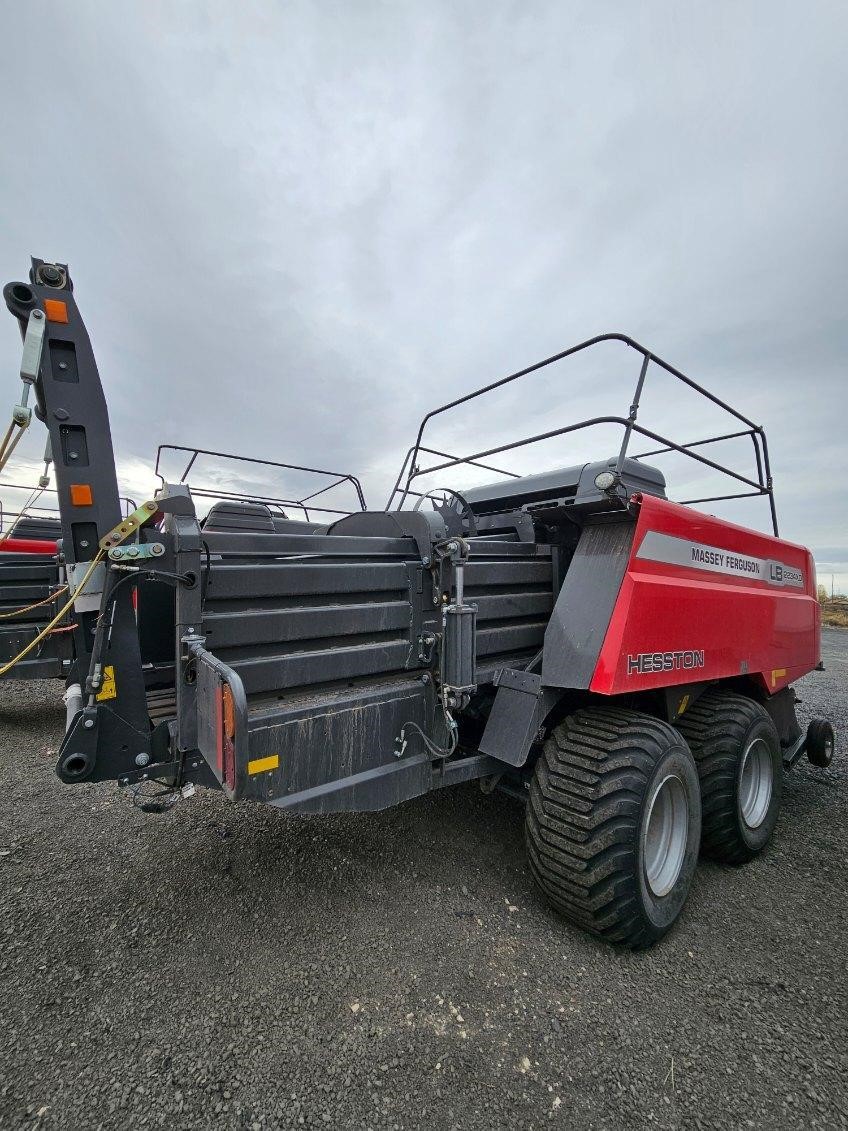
(583, 818)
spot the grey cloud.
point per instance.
(293, 229)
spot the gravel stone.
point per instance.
(201, 968)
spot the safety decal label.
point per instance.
(108, 688)
(670, 549)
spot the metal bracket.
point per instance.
(426, 645)
(89, 600)
(129, 526)
(33, 346)
(136, 552)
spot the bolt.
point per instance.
(142, 759)
(425, 677)
(63, 365)
(37, 314)
(150, 507)
(190, 628)
(88, 724)
(73, 455)
(84, 543)
(425, 561)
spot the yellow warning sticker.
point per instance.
(262, 765)
(108, 690)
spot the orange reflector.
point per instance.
(229, 712)
(56, 310)
(81, 495)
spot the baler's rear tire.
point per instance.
(740, 764)
(613, 823)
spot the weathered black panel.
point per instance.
(510, 637)
(366, 792)
(583, 609)
(335, 736)
(27, 579)
(507, 573)
(267, 625)
(319, 577)
(272, 673)
(505, 606)
(40, 528)
(258, 545)
(238, 515)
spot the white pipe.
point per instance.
(73, 703)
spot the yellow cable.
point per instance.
(52, 624)
(37, 605)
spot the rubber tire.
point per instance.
(819, 734)
(719, 727)
(585, 817)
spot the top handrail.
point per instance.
(762, 485)
(338, 477)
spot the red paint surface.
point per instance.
(27, 546)
(733, 620)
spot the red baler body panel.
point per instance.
(704, 599)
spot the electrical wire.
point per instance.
(95, 561)
(28, 608)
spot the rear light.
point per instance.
(227, 732)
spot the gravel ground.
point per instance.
(229, 966)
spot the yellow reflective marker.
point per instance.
(108, 690)
(684, 703)
(777, 674)
(261, 765)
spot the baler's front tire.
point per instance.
(613, 823)
(740, 766)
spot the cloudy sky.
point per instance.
(295, 227)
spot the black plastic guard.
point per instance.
(582, 613)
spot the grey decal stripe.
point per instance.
(671, 550)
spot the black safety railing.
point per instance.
(759, 486)
(305, 504)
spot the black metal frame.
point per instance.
(337, 477)
(128, 505)
(762, 485)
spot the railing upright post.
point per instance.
(634, 412)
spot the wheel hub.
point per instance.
(665, 836)
(755, 783)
